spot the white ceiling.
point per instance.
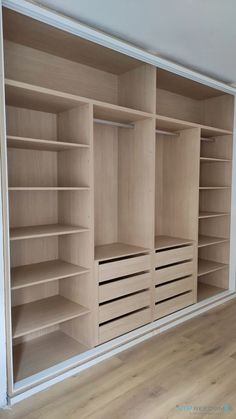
(199, 34)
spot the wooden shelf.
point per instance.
(38, 144)
(39, 273)
(205, 188)
(29, 96)
(167, 242)
(214, 159)
(29, 318)
(208, 240)
(38, 354)
(24, 95)
(205, 291)
(48, 188)
(175, 125)
(116, 250)
(207, 214)
(117, 113)
(32, 232)
(207, 266)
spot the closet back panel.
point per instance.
(106, 184)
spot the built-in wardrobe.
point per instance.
(117, 199)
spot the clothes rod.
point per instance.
(130, 126)
(113, 123)
(209, 140)
(173, 134)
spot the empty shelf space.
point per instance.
(214, 159)
(38, 273)
(173, 125)
(207, 266)
(204, 188)
(120, 114)
(208, 214)
(38, 144)
(28, 318)
(205, 291)
(48, 188)
(208, 240)
(24, 95)
(31, 232)
(36, 355)
(167, 242)
(116, 250)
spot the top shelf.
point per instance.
(30, 96)
(174, 125)
(49, 100)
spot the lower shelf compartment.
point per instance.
(38, 315)
(43, 352)
(205, 291)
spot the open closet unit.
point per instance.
(117, 196)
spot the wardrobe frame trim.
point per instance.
(68, 368)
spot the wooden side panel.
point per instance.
(137, 88)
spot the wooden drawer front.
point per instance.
(173, 256)
(124, 286)
(173, 288)
(124, 305)
(173, 272)
(124, 325)
(175, 304)
(124, 267)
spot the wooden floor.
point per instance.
(190, 367)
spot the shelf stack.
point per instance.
(214, 216)
(50, 205)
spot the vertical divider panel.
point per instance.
(137, 88)
(78, 208)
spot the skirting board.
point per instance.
(68, 368)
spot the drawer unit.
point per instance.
(167, 257)
(123, 306)
(127, 266)
(124, 325)
(124, 295)
(174, 304)
(173, 272)
(124, 286)
(173, 288)
(173, 280)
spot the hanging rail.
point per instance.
(131, 126)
